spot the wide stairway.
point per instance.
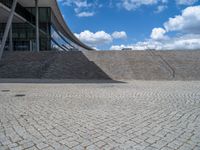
(115, 65)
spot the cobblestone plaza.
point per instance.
(136, 115)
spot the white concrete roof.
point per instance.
(61, 24)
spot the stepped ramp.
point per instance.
(49, 65)
(139, 65)
(112, 65)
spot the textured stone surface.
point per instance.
(116, 65)
(137, 115)
(50, 65)
(148, 65)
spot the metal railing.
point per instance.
(169, 67)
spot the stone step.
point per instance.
(116, 65)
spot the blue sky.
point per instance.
(136, 24)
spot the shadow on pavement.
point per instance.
(61, 81)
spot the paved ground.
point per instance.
(136, 115)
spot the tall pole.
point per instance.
(11, 39)
(8, 24)
(37, 26)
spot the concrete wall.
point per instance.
(116, 65)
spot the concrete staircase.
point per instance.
(116, 65)
(73, 65)
(25, 64)
(139, 65)
(49, 65)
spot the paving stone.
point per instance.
(186, 147)
(41, 145)
(166, 148)
(72, 144)
(100, 144)
(16, 148)
(12, 145)
(27, 145)
(134, 115)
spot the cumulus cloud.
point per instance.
(188, 37)
(100, 37)
(186, 2)
(158, 34)
(137, 46)
(120, 47)
(185, 42)
(119, 35)
(94, 39)
(187, 22)
(150, 44)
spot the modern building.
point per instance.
(35, 25)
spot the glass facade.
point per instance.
(24, 34)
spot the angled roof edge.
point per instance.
(61, 20)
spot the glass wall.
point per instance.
(24, 34)
(19, 10)
(44, 25)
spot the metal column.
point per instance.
(10, 39)
(37, 26)
(8, 24)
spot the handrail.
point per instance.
(172, 71)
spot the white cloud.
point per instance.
(100, 37)
(134, 4)
(77, 3)
(186, 2)
(158, 34)
(118, 47)
(82, 8)
(137, 46)
(119, 35)
(185, 42)
(95, 39)
(160, 8)
(85, 14)
(187, 26)
(80, 4)
(188, 21)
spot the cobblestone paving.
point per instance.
(138, 115)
